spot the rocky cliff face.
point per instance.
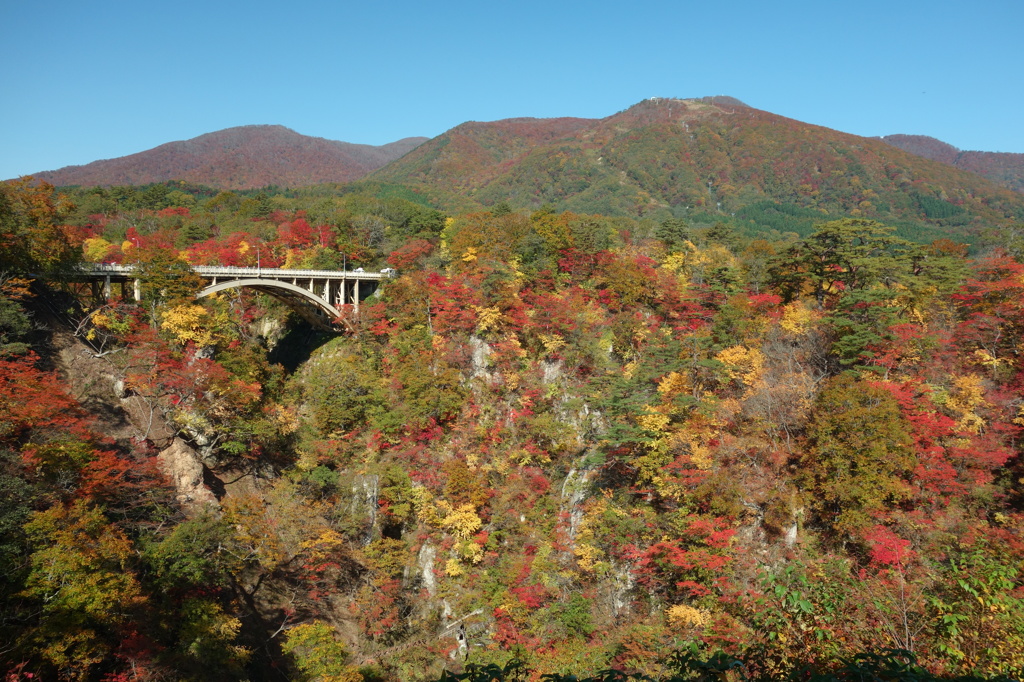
(128, 419)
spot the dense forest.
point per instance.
(768, 444)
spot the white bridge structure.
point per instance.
(321, 296)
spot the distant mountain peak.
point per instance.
(242, 157)
(691, 104)
(666, 109)
(1005, 168)
(923, 145)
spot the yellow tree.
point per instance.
(82, 580)
(859, 453)
(31, 236)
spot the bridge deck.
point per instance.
(318, 295)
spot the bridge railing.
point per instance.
(257, 273)
(105, 268)
(231, 271)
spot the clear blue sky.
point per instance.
(93, 80)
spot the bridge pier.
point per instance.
(103, 286)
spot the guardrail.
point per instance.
(233, 271)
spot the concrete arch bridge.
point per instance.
(317, 295)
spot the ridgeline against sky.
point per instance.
(660, 158)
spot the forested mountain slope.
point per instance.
(665, 157)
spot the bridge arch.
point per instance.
(294, 296)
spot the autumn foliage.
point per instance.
(565, 441)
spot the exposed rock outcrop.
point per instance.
(181, 464)
(127, 418)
